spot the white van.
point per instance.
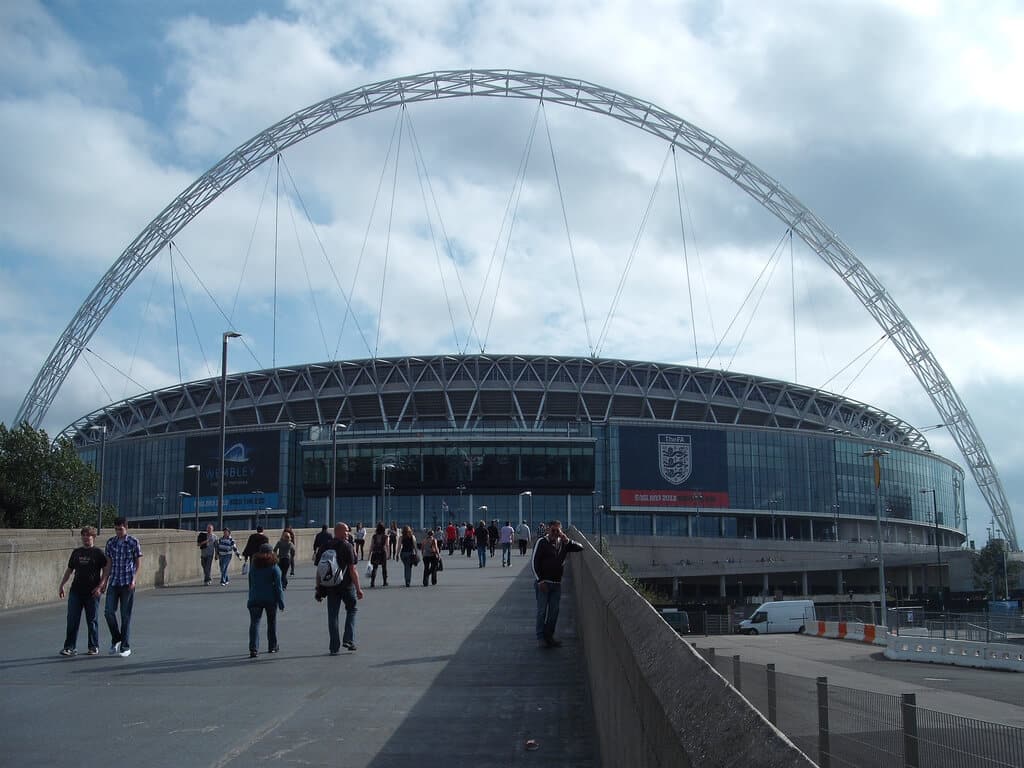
(780, 616)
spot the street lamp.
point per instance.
(697, 499)
(772, 506)
(223, 420)
(875, 454)
(102, 429)
(334, 469)
(384, 467)
(266, 516)
(835, 522)
(530, 494)
(389, 497)
(461, 488)
(255, 505)
(181, 501)
(938, 549)
(196, 467)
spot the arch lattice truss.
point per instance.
(556, 90)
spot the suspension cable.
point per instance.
(192, 322)
(248, 250)
(792, 286)
(115, 369)
(277, 215)
(362, 250)
(775, 261)
(568, 233)
(837, 374)
(110, 397)
(387, 239)
(753, 287)
(603, 335)
(142, 326)
(686, 255)
(509, 215)
(217, 306)
(305, 270)
(174, 308)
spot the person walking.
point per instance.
(548, 563)
(295, 551)
(505, 539)
(379, 555)
(320, 542)
(207, 544)
(523, 535)
(469, 541)
(346, 590)
(266, 594)
(431, 558)
(252, 545)
(462, 538)
(124, 556)
(393, 541)
(492, 535)
(87, 563)
(225, 547)
(481, 544)
(360, 542)
(451, 533)
(285, 551)
(407, 552)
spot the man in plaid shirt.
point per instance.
(123, 557)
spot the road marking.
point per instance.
(938, 679)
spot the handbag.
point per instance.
(440, 564)
(245, 569)
(415, 558)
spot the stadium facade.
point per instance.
(623, 447)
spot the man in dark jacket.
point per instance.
(319, 542)
(548, 562)
(256, 540)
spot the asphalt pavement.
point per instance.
(448, 675)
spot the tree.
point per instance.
(43, 484)
(988, 567)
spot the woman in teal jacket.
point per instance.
(265, 594)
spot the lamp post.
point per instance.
(530, 494)
(773, 505)
(255, 505)
(334, 470)
(181, 501)
(223, 420)
(102, 429)
(384, 467)
(938, 548)
(600, 526)
(266, 516)
(875, 454)
(389, 495)
(698, 497)
(461, 488)
(835, 522)
(196, 467)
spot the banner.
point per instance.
(673, 467)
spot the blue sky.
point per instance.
(898, 122)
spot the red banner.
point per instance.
(686, 498)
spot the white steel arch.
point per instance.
(641, 114)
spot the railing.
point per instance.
(977, 627)
(842, 727)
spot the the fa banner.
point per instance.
(675, 458)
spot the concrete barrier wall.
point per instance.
(960, 653)
(844, 630)
(33, 562)
(656, 701)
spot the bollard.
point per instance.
(736, 682)
(824, 750)
(773, 711)
(908, 704)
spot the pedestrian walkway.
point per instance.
(447, 675)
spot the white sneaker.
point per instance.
(115, 649)
(125, 653)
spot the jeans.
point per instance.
(481, 553)
(407, 562)
(451, 546)
(207, 567)
(225, 561)
(383, 569)
(125, 596)
(255, 614)
(285, 563)
(91, 606)
(522, 547)
(335, 597)
(547, 608)
(506, 554)
(430, 570)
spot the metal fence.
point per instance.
(851, 728)
(978, 627)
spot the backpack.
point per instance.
(328, 572)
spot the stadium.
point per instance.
(632, 448)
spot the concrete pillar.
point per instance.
(812, 533)
(755, 527)
(910, 580)
(764, 584)
(721, 586)
(839, 582)
(675, 589)
(803, 583)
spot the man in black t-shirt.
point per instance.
(86, 563)
(348, 592)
